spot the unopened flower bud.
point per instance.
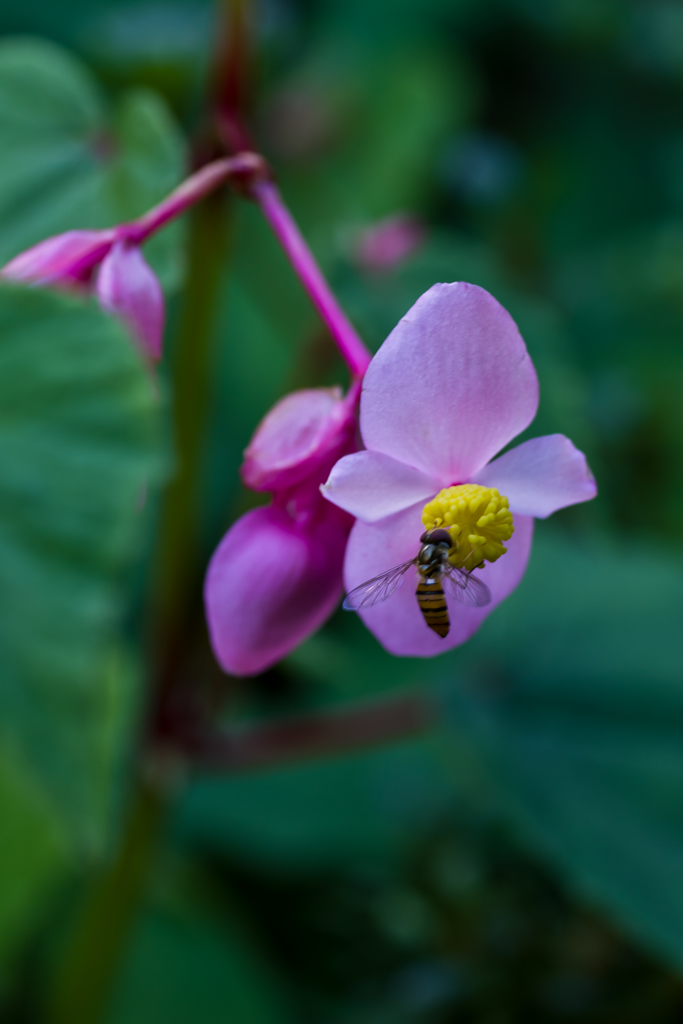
(66, 259)
(128, 287)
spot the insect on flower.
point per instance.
(437, 577)
(428, 463)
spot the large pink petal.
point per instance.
(540, 476)
(128, 287)
(371, 486)
(269, 585)
(298, 433)
(66, 257)
(397, 622)
(451, 385)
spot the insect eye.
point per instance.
(425, 537)
(438, 537)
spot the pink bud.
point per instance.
(271, 583)
(63, 259)
(296, 437)
(252, 627)
(128, 287)
(388, 243)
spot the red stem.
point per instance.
(286, 230)
(244, 167)
(310, 736)
(250, 172)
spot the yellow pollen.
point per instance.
(478, 520)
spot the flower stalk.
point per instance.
(286, 230)
(244, 167)
(320, 734)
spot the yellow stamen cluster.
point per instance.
(478, 520)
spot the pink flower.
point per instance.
(125, 283)
(450, 387)
(277, 574)
(389, 242)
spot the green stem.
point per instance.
(179, 575)
(92, 955)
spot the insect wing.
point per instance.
(464, 587)
(379, 588)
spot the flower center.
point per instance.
(478, 520)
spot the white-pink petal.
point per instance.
(128, 287)
(452, 384)
(371, 486)
(398, 623)
(541, 476)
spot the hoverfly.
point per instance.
(435, 574)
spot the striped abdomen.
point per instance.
(432, 602)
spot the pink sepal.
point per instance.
(271, 583)
(68, 258)
(128, 287)
(296, 437)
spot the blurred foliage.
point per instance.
(79, 444)
(523, 862)
(66, 166)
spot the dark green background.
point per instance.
(522, 862)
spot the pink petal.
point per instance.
(540, 476)
(128, 287)
(69, 256)
(297, 434)
(371, 486)
(397, 622)
(451, 385)
(270, 585)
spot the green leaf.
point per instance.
(319, 814)
(33, 855)
(67, 162)
(564, 718)
(390, 115)
(567, 718)
(79, 443)
(187, 962)
(414, 98)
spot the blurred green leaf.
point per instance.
(315, 815)
(67, 163)
(568, 719)
(412, 99)
(186, 964)
(385, 116)
(33, 855)
(565, 718)
(79, 444)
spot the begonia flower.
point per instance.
(449, 388)
(124, 284)
(388, 243)
(277, 574)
